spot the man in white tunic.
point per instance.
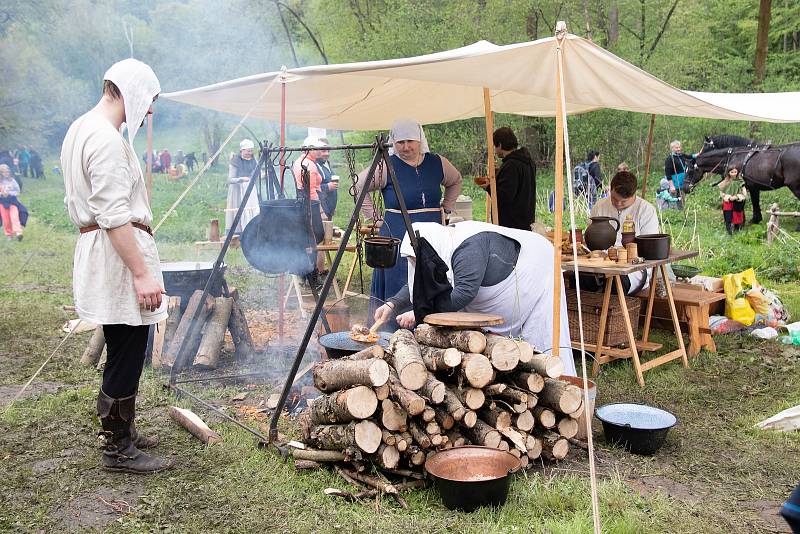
(116, 276)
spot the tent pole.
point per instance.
(649, 154)
(558, 207)
(282, 277)
(149, 181)
(487, 108)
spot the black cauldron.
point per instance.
(182, 278)
(639, 428)
(380, 252)
(279, 240)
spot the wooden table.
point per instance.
(327, 249)
(604, 354)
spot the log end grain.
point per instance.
(368, 436)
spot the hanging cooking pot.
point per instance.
(279, 239)
(380, 252)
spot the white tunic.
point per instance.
(104, 185)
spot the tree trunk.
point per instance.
(365, 435)
(762, 40)
(344, 406)
(333, 375)
(437, 359)
(433, 390)
(613, 24)
(477, 370)
(483, 434)
(191, 422)
(95, 348)
(532, 382)
(240, 332)
(393, 417)
(544, 364)
(560, 396)
(463, 340)
(214, 335)
(502, 352)
(410, 401)
(407, 360)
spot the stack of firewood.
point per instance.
(214, 317)
(437, 388)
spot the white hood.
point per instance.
(139, 86)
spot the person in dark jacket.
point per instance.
(676, 164)
(516, 181)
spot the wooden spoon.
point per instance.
(374, 328)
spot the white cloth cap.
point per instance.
(314, 141)
(138, 85)
(246, 144)
(408, 130)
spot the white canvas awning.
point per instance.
(448, 86)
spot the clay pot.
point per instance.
(601, 234)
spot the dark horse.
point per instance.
(763, 167)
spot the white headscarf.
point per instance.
(408, 130)
(138, 85)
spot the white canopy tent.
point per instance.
(448, 86)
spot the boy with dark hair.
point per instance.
(516, 181)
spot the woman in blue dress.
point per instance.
(421, 175)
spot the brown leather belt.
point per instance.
(140, 226)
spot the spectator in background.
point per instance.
(240, 169)
(7, 158)
(516, 181)
(12, 212)
(328, 191)
(595, 173)
(675, 166)
(37, 168)
(664, 199)
(191, 161)
(24, 158)
(623, 167)
(166, 160)
(180, 158)
(734, 194)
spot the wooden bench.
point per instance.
(693, 306)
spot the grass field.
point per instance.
(715, 473)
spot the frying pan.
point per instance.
(340, 344)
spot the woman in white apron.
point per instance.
(497, 270)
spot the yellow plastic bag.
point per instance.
(736, 287)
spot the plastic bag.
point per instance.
(719, 324)
(768, 306)
(736, 287)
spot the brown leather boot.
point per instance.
(119, 452)
(140, 441)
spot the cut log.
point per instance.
(375, 351)
(483, 434)
(192, 422)
(463, 340)
(516, 398)
(387, 456)
(544, 416)
(561, 396)
(433, 428)
(477, 370)
(544, 364)
(333, 375)
(420, 436)
(344, 406)
(524, 421)
(393, 416)
(495, 416)
(374, 482)
(365, 435)
(524, 461)
(240, 332)
(407, 361)
(533, 400)
(533, 382)
(469, 420)
(515, 452)
(433, 390)
(382, 392)
(437, 359)
(93, 351)
(317, 455)
(534, 446)
(214, 334)
(502, 352)
(515, 438)
(456, 438)
(200, 311)
(158, 344)
(428, 414)
(388, 438)
(173, 320)
(554, 447)
(568, 427)
(410, 401)
(444, 418)
(306, 464)
(472, 398)
(503, 445)
(453, 405)
(404, 441)
(525, 350)
(495, 389)
(436, 439)
(416, 456)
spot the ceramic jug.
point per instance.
(600, 234)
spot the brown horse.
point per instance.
(763, 167)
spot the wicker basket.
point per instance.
(592, 305)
